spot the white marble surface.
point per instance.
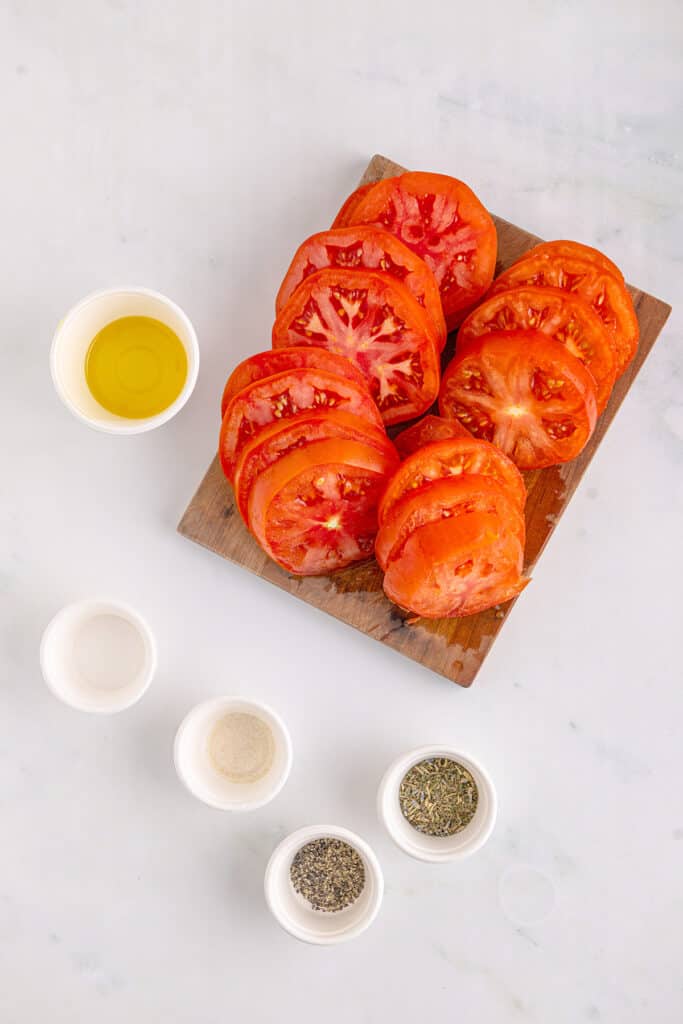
(189, 147)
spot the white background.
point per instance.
(190, 147)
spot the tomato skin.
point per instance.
(314, 510)
(429, 428)
(456, 567)
(366, 247)
(443, 221)
(283, 395)
(525, 393)
(445, 499)
(564, 247)
(450, 459)
(343, 218)
(603, 292)
(280, 438)
(268, 363)
(374, 320)
(558, 314)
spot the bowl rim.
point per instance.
(389, 785)
(105, 605)
(225, 701)
(134, 426)
(271, 883)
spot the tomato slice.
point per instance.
(265, 364)
(605, 294)
(366, 247)
(445, 499)
(452, 459)
(374, 320)
(442, 220)
(457, 566)
(523, 392)
(560, 315)
(564, 247)
(315, 510)
(283, 395)
(342, 219)
(429, 428)
(280, 438)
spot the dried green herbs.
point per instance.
(438, 796)
(328, 873)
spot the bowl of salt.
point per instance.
(232, 753)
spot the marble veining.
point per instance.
(190, 147)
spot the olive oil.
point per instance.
(136, 367)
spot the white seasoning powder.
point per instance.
(241, 747)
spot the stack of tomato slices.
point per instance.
(305, 449)
(536, 361)
(451, 534)
(443, 222)
(405, 259)
(362, 316)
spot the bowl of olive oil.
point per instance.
(125, 360)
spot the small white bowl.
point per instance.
(98, 656)
(75, 333)
(295, 915)
(197, 773)
(436, 848)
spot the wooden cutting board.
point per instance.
(455, 648)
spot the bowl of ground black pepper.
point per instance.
(324, 884)
(437, 803)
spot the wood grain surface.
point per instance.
(455, 648)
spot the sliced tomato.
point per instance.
(445, 499)
(349, 205)
(605, 294)
(564, 247)
(265, 364)
(561, 316)
(283, 395)
(429, 428)
(374, 320)
(282, 437)
(366, 247)
(523, 392)
(457, 566)
(315, 510)
(440, 219)
(453, 458)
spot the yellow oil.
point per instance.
(136, 367)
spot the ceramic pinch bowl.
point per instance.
(295, 914)
(436, 848)
(205, 781)
(98, 656)
(75, 333)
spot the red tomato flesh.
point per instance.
(442, 220)
(314, 510)
(282, 396)
(373, 320)
(453, 459)
(343, 218)
(268, 363)
(605, 294)
(523, 392)
(282, 437)
(456, 567)
(429, 428)
(367, 248)
(564, 247)
(561, 316)
(445, 499)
